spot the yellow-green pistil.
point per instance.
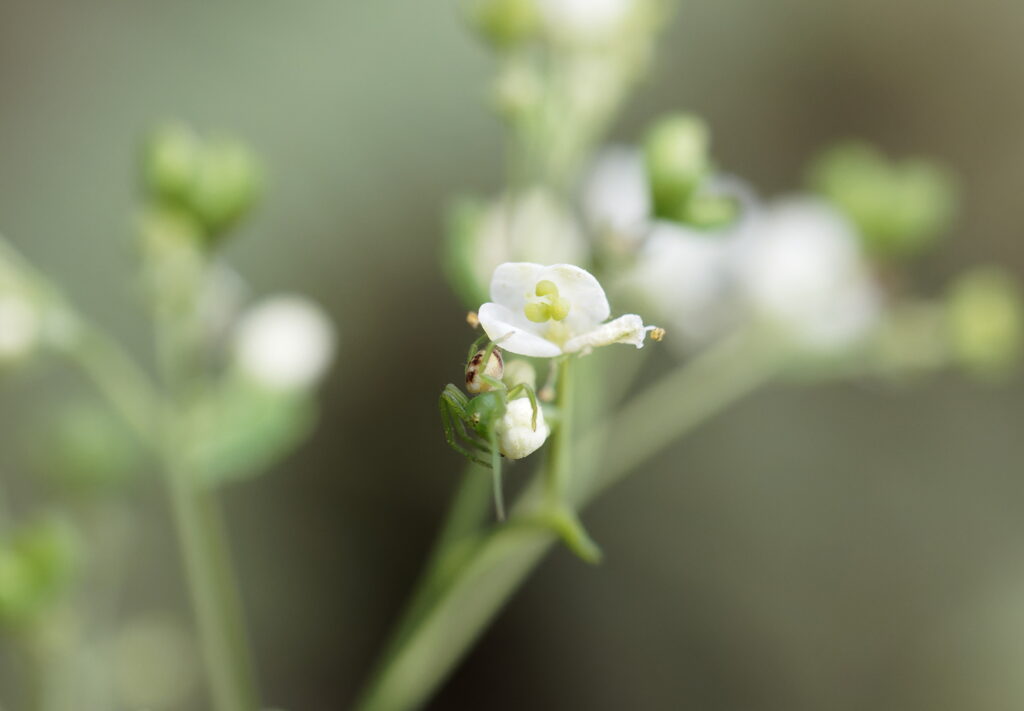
(546, 304)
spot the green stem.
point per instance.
(197, 516)
(560, 456)
(446, 628)
(216, 606)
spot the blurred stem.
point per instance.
(197, 516)
(214, 598)
(444, 630)
(560, 454)
(115, 374)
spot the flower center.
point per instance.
(545, 304)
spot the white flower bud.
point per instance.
(800, 270)
(284, 343)
(516, 436)
(585, 20)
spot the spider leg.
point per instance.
(524, 388)
(451, 405)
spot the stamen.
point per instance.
(537, 311)
(546, 288)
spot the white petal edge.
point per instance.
(513, 281)
(498, 323)
(628, 329)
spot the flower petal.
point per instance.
(588, 303)
(503, 327)
(625, 329)
(513, 282)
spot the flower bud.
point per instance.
(899, 209)
(520, 372)
(284, 343)
(504, 23)
(986, 321)
(516, 436)
(170, 161)
(15, 585)
(677, 157)
(226, 184)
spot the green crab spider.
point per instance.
(470, 422)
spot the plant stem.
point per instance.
(197, 517)
(560, 455)
(446, 628)
(217, 610)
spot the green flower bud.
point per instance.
(505, 23)
(899, 208)
(986, 321)
(170, 161)
(226, 184)
(677, 157)
(708, 212)
(16, 588)
(50, 547)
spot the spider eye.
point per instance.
(495, 368)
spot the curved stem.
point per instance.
(455, 617)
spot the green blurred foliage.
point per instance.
(900, 209)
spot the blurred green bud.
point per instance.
(86, 450)
(51, 549)
(36, 567)
(708, 212)
(211, 183)
(677, 157)
(899, 208)
(519, 372)
(518, 90)
(986, 321)
(171, 160)
(226, 184)
(505, 23)
(16, 587)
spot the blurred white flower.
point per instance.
(530, 227)
(285, 343)
(516, 436)
(799, 269)
(616, 197)
(20, 327)
(584, 19)
(683, 275)
(549, 311)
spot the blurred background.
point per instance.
(843, 547)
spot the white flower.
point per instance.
(532, 225)
(683, 274)
(516, 436)
(284, 343)
(20, 327)
(584, 19)
(616, 196)
(548, 311)
(800, 270)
